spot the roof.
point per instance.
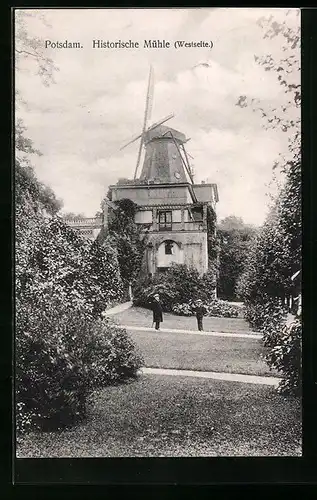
(162, 132)
(206, 192)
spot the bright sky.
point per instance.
(97, 103)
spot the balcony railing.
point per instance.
(89, 221)
(181, 226)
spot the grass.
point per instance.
(137, 316)
(161, 416)
(193, 352)
(176, 416)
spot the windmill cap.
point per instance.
(164, 132)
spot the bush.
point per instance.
(61, 355)
(266, 316)
(216, 307)
(274, 257)
(145, 291)
(222, 309)
(285, 357)
(178, 285)
(115, 357)
(63, 349)
(183, 309)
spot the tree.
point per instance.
(276, 253)
(285, 116)
(235, 239)
(73, 216)
(28, 47)
(129, 238)
(63, 348)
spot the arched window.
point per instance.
(169, 247)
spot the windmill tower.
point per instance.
(173, 208)
(165, 159)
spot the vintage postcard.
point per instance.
(157, 233)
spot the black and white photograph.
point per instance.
(158, 232)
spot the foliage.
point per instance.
(26, 182)
(216, 307)
(146, 288)
(104, 266)
(287, 68)
(276, 253)
(186, 281)
(266, 283)
(178, 285)
(285, 356)
(72, 216)
(209, 281)
(129, 238)
(63, 283)
(212, 239)
(235, 239)
(66, 263)
(30, 48)
(62, 353)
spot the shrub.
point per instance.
(186, 281)
(104, 268)
(285, 357)
(266, 316)
(216, 307)
(115, 357)
(222, 309)
(63, 349)
(183, 309)
(62, 354)
(145, 291)
(178, 285)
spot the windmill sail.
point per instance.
(147, 115)
(156, 124)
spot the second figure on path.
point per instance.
(200, 311)
(157, 311)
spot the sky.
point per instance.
(97, 104)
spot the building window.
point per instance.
(165, 220)
(196, 214)
(169, 250)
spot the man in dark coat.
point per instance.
(157, 311)
(200, 310)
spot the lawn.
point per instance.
(198, 352)
(137, 316)
(177, 416)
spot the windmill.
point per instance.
(160, 156)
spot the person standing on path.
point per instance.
(157, 311)
(200, 310)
